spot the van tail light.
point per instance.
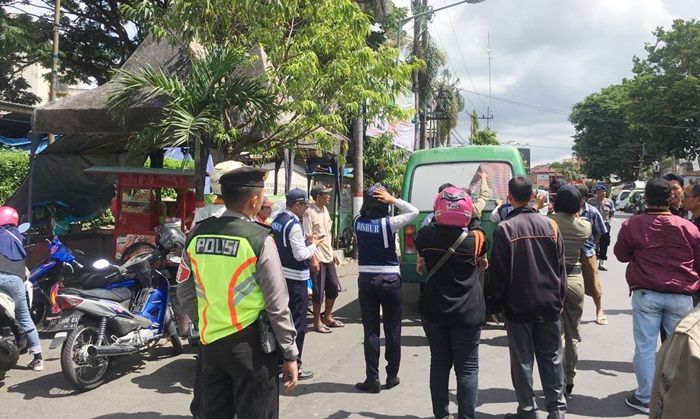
(67, 302)
(55, 309)
(409, 235)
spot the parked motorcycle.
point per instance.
(122, 310)
(46, 276)
(13, 340)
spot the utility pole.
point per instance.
(417, 30)
(54, 56)
(357, 165)
(423, 80)
(489, 115)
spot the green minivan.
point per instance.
(461, 166)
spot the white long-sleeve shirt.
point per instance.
(300, 249)
(408, 213)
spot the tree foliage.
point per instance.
(95, 36)
(320, 69)
(384, 163)
(569, 169)
(22, 44)
(14, 166)
(481, 136)
(448, 100)
(626, 127)
(665, 91)
(604, 140)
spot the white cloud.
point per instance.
(550, 53)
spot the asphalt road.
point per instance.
(159, 386)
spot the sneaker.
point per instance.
(392, 382)
(305, 374)
(633, 402)
(601, 267)
(36, 364)
(370, 386)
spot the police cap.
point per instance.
(251, 177)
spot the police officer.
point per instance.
(295, 250)
(232, 273)
(379, 281)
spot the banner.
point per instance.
(402, 132)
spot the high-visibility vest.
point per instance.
(223, 253)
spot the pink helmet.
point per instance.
(453, 207)
(8, 215)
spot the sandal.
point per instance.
(602, 320)
(334, 323)
(323, 329)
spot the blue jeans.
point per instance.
(650, 311)
(458, 347)
(14, 287)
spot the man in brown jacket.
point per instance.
(677, 380)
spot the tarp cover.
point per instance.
(59, 176)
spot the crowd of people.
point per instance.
(540, 270)
(248, 293)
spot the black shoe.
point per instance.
(370, 386)
(633, 402)
(392, 382)
(569, 389)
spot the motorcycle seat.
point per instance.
(119, 295)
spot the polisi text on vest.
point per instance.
(217, 246)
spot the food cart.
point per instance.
(145, 200)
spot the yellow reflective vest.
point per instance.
(223, 253)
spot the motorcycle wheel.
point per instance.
(38, 311)
(171, 327)
(81, 371)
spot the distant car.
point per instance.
(623, 198)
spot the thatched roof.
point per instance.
(88, 112)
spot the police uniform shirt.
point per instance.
(269, 277)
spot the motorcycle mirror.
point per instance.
(101, 264)
(23, 228)
(174, 259)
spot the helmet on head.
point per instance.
(171, 237)
(453, 207)
(8, 216)
(221, 169)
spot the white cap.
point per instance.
(219, 170)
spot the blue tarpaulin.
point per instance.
(23, 143)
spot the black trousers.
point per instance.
(381, 290)
(541, 341)
(603, 244)
(298, 304)
(239, 379)
(195, 405)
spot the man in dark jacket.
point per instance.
(663, 252)
(528, 276)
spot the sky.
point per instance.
(547, 53)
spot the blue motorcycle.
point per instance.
(45, 279)
(120, 310)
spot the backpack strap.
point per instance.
(450, 251)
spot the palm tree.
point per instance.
(216, 100)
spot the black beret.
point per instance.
(245, 176)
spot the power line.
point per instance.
(464, 60)
(568, 114)
(442, 48)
